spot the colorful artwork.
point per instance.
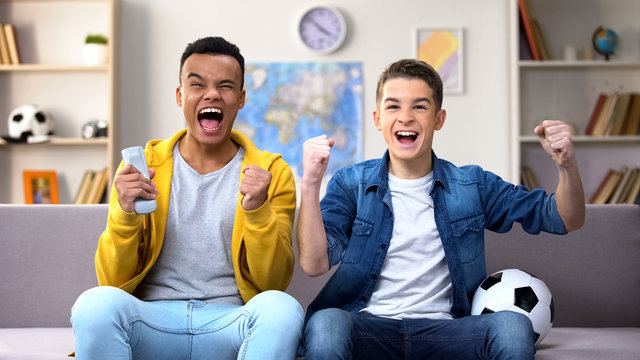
(442, 49)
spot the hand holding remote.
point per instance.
(135, 156)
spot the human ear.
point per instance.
(376, 120)
(441, 116)
(179, 96)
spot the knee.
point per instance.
(512, 333)
(329, 326)
(98, 305)
(278, 309)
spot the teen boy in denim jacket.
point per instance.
(407, 230)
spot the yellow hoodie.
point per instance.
(261, 243)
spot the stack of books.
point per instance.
(92, 187)
(532, 43)
(8, 45)
(614, 115)
(618, 187)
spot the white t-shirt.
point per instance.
(414, 281)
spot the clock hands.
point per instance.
(322, 28)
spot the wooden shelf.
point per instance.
(578, 64)
(62, 141)
(53, 68)
(50, 36)
(577, 139)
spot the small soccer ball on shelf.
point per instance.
(29, 124)
(518, 291)
(95, 50)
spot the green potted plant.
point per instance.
(95, 49)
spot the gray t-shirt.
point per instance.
(195, 260)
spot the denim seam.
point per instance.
(247, 338)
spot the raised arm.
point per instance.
(310, 233)
(555, 138)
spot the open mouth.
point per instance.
(406, 136)
(210, 118)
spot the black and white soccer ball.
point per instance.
(516, 290)
(29, 122)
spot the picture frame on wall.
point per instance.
(442, 48)
(40, 187)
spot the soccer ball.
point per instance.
(30, 121)
(516, 290)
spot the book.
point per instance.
(605, 115)
(4, 48)
(83, 189)
(541, 44)
(632, 119)
(606, 187)
(626, 184)
(98, 186)
(524, 49)
(602, 98)
(10, 36)
(618, 116)
(619, 190)
(526, 23)
(634, 191)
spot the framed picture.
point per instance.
(40, 187)
(442, 48)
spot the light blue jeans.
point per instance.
(332, 334)
(109, 323)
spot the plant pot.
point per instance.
(95, 54)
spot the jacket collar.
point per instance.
(163, 150)
(379, 176)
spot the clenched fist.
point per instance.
(316, 153)
(254, 186)
(555, 138)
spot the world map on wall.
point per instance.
(288, 103)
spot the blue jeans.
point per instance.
(109, 323)
(337, 334)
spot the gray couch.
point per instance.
(46, 261)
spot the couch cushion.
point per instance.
(590, 343)
(36, 343)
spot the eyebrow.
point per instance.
(196, 75)
(414, 101)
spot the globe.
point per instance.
(604, 41)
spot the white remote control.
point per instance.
(135, 156)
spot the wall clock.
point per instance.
(322, 29)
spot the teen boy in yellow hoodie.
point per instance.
(196, 278)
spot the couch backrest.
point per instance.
(46, 261)
(47, 252)
(593, 273)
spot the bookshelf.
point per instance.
(50, 36)
(568, 89)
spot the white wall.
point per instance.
(153, 35)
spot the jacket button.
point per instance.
(374, 276)
(364, 298)
(383, 246)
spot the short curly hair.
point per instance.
(212, 45)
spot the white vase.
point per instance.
(95, 54)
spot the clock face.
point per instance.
(323, 29)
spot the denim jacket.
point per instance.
(358, 219)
